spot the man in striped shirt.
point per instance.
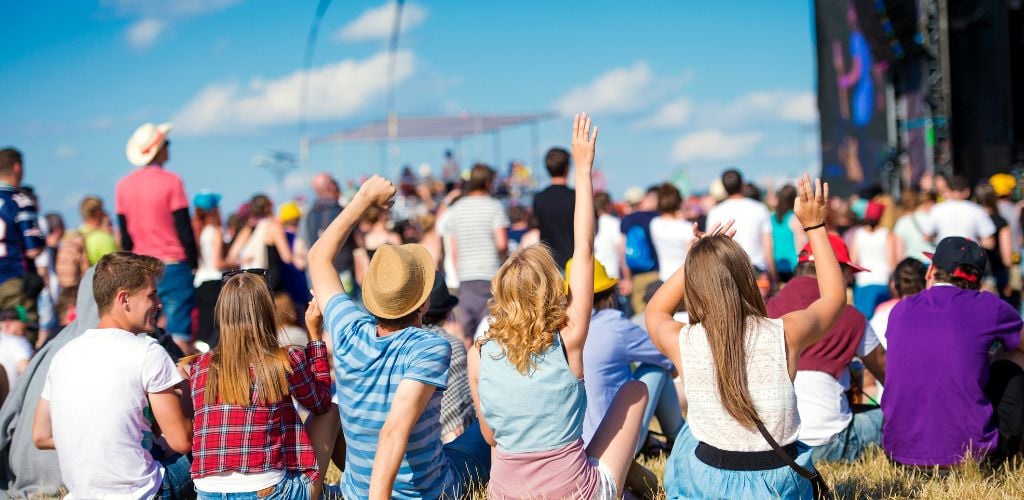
(390, 371)
(478, 226)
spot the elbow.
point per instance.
(42, 441)
(181, 442)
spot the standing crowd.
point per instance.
(463, 335)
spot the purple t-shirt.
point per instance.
(936, 369)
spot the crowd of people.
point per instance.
(466, 333)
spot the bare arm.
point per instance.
(988, 242)
(473, 369)
(581, 280)
(807, 326)
(167, 411)
(875, 363)
(1005, 246)
(892, 246)
(501, 240)
(42, 427)
(235, 252)
(410, 400)
(326, 283)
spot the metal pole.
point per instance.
(396, 28)
(535, 146)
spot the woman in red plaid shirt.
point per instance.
(248, 436)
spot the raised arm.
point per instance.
(377, 191)
(581, 280)
(807, 326)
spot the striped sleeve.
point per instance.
(429, 364)
(342, 317)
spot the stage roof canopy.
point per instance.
(432, 127)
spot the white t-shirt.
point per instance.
(606, 244)
(671, 238)
(753, 221)
(872, 249)
(960, 218)
(13, 349)
(821, 399)
(98, 387)
(207, 269)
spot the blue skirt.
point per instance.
(687, 477)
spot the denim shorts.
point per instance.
(295, 485)
(177, 295)
(469, 456)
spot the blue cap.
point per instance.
(206, 200)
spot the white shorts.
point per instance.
(606, 490)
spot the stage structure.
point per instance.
(386, 134)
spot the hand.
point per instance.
(718, 229)
(378, 191)
(625, 287)
(811, 208)
(583, 142)
(314, 320)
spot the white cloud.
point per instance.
(713, 144)
(762, 106)
(101, 122)
(671, 115)
(65, 152)
(620, 90)
(143, 33)
(337, 90)
(375, 23)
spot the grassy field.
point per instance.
(873, 476)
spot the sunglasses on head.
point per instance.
(228, 274)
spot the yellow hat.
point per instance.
(602, 281)
(289, 211)
(1003, 184)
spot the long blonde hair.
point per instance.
(528, 306)
(720, 294)
(248, 356)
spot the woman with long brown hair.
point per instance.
(248, 437)
(738, 365)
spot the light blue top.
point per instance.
(539, 412)
(368, 370)
(784, 243)
(613, 345)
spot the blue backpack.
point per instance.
(639, 256)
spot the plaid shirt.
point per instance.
(257, 438)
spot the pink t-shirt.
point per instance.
(147, 197)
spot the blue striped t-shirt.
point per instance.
(368, 370)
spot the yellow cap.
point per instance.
(289, 211)
(1003, 184)
(602, 281)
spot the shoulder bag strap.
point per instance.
(821, 491)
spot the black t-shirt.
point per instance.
(554, 208)
(995, 259)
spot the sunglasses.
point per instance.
(228, 274)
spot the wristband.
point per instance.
(814, 227)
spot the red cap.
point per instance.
(838, 246)
(874, 211)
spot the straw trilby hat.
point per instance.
(399, 280)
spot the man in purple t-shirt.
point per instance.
(935, 404)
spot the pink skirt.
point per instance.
(565, 472)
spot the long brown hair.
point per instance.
(248, 358)
(720, 294)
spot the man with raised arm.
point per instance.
(390, 371)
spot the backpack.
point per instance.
(639, 256)
(71, 261)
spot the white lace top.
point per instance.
(767, 380)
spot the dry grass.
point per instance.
(874, 476)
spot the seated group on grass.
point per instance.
(563, 385)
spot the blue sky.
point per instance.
(687, 86)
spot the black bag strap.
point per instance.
(821, 491)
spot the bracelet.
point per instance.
(814, 227)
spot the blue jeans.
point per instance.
(470, 459)
(866, 298)
(294, 485)
(865, 429)
(662, 401)
(177, 478)
(177, 295)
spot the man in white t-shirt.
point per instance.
(958, 216)
(102, 388)
(753, 223)
(15, 350)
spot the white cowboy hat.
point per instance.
(146, 142)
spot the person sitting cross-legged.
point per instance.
(389, 371)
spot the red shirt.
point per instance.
(147, 198)
(257, 438)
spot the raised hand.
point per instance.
(811, 206)
(314, 320)
(378, 191)
(718, 229)
(583, 142)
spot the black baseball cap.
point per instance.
(960, 257)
